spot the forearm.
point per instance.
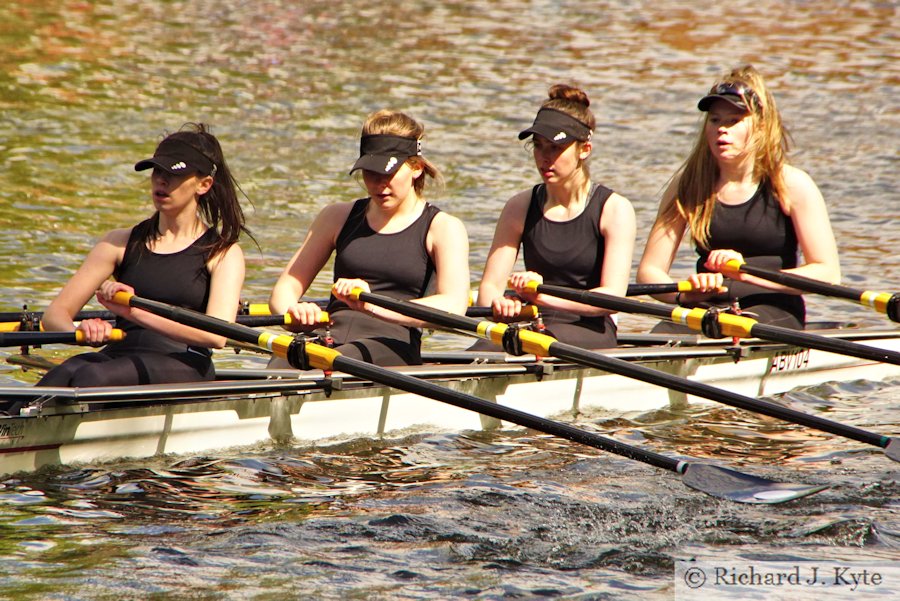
(57, 319)
(487, 292)
(285, 294)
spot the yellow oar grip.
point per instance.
(354, 294)
(532, 286)
(115, 335)
(258, 309)
(492, 331)
(876, 300)
(324, 317)
(9, 326)
(529, 312)
(122, 297)
(732, 266)
(685, 286)
(732, 325)
(736, 325)
(535, 342)
(532, 342)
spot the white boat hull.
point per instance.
(70, 426)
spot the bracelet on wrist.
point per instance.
(678, 298)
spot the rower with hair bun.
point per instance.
(572, 232)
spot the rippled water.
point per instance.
(88, 87)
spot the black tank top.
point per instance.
(396, 265)
(566, 253)
(765, 236)
(180, 279)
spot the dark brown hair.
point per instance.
(219, 207)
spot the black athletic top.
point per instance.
(568, 253)
(395, 265)
(765, 236)
(180, 279)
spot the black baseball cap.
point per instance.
(558, 127)
(383, 153)
(178, 157)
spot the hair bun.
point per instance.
(569, 93)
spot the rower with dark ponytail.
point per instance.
(185, 254)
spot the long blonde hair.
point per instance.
(394, 123)
(695, 198)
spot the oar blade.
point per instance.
(743, 488)
(892, 450)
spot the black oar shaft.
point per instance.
(883, 302)
(8, 316)
(607, 301)
(803, 283)
(668, 288)
(732, 324)
(823, 343)
(713, 393)
(527, 420)
(190, 318)
(409, 384)
(547, 345)
(254, 319)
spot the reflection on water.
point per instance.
(89, 87)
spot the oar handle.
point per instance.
(249, 312)
(40, 338)
(528, 312)
(115, 335)
(254, 319)
(665, 288)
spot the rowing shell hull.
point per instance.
(246, 407)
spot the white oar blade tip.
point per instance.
(780, 496)
(737, 486)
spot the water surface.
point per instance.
(88, 87)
